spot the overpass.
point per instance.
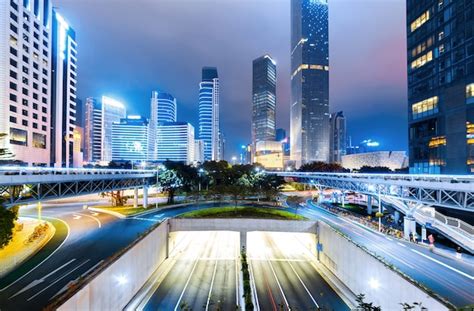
(416, 196)
(20, 185)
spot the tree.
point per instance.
(365, 306)
(7, 223)
(169, 181)
(116, 197)
(319, 166)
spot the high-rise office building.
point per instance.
(92, 130)
(112, 111)
(99, 117)
(337, 137)
(284, 139)
(176, 142)
(163, 110)
(198, 151)
(38, 84)
(440, 64)
(63, 93)
(130, 139)
(209, 113)
(309, 118)
(263, 99)
(25, 79)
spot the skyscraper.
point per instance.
(440, 65)
(209, 113)
(176, 142)
(163, 109)
(337, 137)
(263, 99)
(309, 120)
(112, 111)
(63, 93)
(130, 139)
(25, 79)
(92, 130)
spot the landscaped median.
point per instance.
(29, 236)
(243, 212)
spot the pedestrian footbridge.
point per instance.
(416, 196)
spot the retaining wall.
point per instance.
(362, 273)
(116, 285)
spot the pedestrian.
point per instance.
(458, 252)
(431, 239)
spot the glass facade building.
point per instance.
(130, 139)
(440, 65)
(176, 142)
(63, 93)
(309, 120)
(337, 137)
(163, 110)
(263, 99)
(112, 111)
(209, 114)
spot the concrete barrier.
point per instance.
(116, 285)
(364, 274)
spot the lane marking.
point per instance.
(57, 280)
(302, 283)
(254, 286)
(39, 281)
(94, 218)
(76, 217)
(443, 264)
(186, 285)
(401, 244)
(279, 285)
(67, 236)
(212, 284)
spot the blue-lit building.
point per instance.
(309, 120)
(130, 139)
(263, 99)
(175, 142)
(63, 92)
(209, 114)
(163, 110)
(440, 65)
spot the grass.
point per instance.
(358, 209)
(127, 210)
(243, 212)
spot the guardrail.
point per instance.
(19, 170)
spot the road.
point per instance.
(85, 239)
(285, 278)
(447, 276)
(204, 275)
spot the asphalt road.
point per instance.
(445, 275)
(93, 237)
(203, 277)
(284, 277)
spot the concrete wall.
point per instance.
(242, 225)
(115, 286)
(360, 272)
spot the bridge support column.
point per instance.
(145, 197)
(409, 226)
(369, 204)
(243, 241)
(343, 197)
(396, 216)
(40, 207)
(135, 197)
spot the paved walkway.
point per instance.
(18, 250)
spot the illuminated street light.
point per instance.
(374, 283)
(121, 279)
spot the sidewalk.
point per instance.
(395, 233)
(19, 249)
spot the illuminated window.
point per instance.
(420, 48)
(13, 41)
(437, 141)
(18, 137)
(422, 60)
(470, 133)
(417, 23)
(425, 107)
(470, 93)
(39, 140)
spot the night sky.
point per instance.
(127, 48)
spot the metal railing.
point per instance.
(23, 171)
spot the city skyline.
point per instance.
(132, 81)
